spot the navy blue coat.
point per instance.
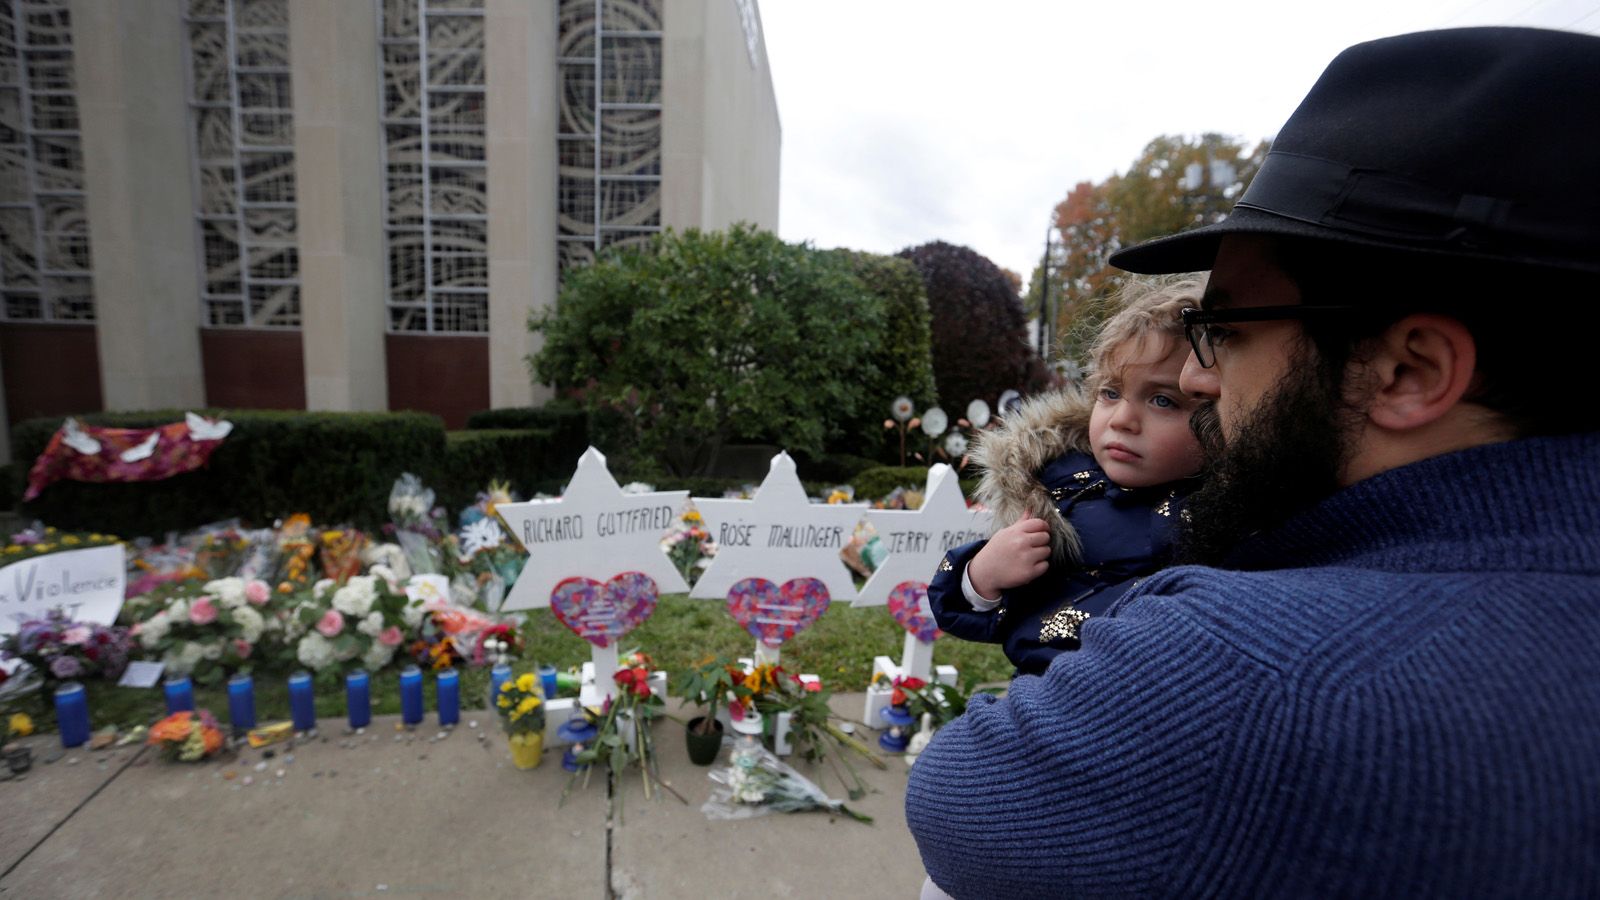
(1125, 535)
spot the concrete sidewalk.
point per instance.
(392, 813)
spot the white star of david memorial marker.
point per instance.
(916, 541)
(593, 531)
(779, 535)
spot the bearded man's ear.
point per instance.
(1418, 371)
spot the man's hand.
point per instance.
(1016, 555)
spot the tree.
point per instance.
(980, 339)
(903, 355)
(1151, 199)
(709, 337)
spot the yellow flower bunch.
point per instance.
(520, 705)
(21, 725)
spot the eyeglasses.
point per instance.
(1204, 337)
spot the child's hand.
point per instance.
(1016, 555)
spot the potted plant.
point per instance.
(521, 709)
(709, 684)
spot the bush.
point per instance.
(530, 459)
(880, 482)
(710, 338)
(567, 422)
(338, 467)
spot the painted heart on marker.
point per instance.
(603, 613)
(775, 614)
(908, 604)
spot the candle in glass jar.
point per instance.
(242, 702)
(302, 702)
(449, 697)
(72, 714)
(498, 675)
(358, 699)
(411, 696)
(180, 694)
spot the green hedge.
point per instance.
(530, 459)
(880, 482)
(338, 467)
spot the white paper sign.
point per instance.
(88, 584)
(592, 531)
(918, 539)
(141, 674)
(778, 535)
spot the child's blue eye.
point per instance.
(1163, 401)
(1109, 394)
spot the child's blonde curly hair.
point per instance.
(1147, 307)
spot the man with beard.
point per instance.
(1385, 678)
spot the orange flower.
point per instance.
(173, 728)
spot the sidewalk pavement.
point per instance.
(394, 813)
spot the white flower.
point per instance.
(154, 629)
(192, 653)
(321, 588)
(314, 652)
(212, 650)
(229, 590)
(372, 625)
(377, 656)
(250, 623)
(380, 570)
(355, 598)
(638, 487)
(484, 534)
(178, 609)
(173, 662)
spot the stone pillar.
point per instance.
(338, 146)
(128, 58)
(522, 98)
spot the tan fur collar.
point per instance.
(1012, 455)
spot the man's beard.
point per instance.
(1286, 456)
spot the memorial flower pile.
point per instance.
(757, 783)
(187, 736)
(39, 539)
(417, 525)
(814, 729)
(625, 736)
(207, 630)
(62, 649)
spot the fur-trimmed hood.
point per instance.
(1012, 456)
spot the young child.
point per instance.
(1087, 486)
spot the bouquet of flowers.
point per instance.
(297, 553)
(625, 737)
(220, 549)
(418, 526)
(187, 736)
(757, 783)
(813, 727)
(208, 630)
(62, 649)
(689, 544)
(521, 705)
(151, 565)
(341, 553)
(361, 623)
(38, 539)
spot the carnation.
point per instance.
(202, 611)
(257, 592)
(355, 598)
(330, 624)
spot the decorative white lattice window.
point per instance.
(609, 145)
(45, 264)
(242, 119)
(436, 211)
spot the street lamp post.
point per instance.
(1044, 298)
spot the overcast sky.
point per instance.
(906, 121)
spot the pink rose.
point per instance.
(390, 637)
(202, 611)
(257, 592)
(331, 624)
(241, 648)
(77, 635)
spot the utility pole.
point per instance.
(1046, 325)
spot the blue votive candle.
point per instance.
(449, 697)
(358, 699)
(302, 702)
(180, 694)
(411, 696)
(72, 714)
(547, 680)
(242, 702)
(498, 675)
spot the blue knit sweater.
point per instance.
(1395, 694)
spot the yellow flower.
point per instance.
(692, 517)
(21, 725)
(71, 540)
(43, 548)
(503, 702)
(13, 548)
(525, 682)
(528, 704)
(507, 686)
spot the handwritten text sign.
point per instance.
(918, 539)
(778, 536)
(87, 583)
(593, 531)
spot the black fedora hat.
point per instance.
(1473, 142)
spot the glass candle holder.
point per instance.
(72, 714)
(449, 697)
(411, 696)
(498, 675)
(302, 701)
(547, 681)
(358, 698)
(180, 694)
(242, 702)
